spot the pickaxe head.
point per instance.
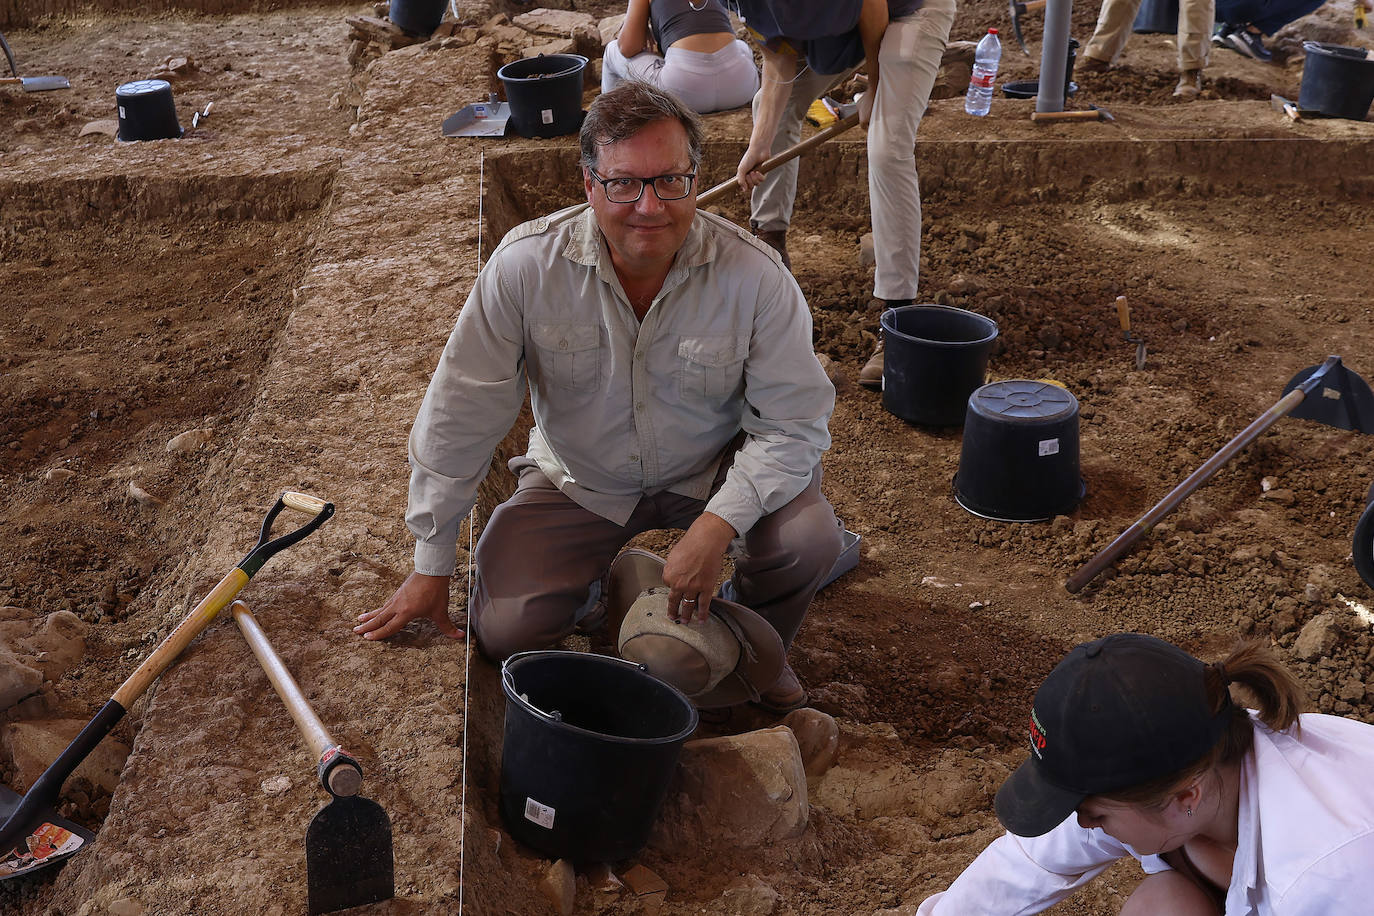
(1018, 9)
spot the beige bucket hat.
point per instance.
(731, 659)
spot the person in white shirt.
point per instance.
(1137, 749)
(673, 384)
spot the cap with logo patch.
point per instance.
(1115, 713)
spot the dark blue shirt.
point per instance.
(825, 32)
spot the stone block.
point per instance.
(735, 792)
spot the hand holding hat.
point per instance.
(730, 658)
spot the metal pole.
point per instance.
(1054, 50)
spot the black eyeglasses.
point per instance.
(629, 190)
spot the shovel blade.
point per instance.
(348, 855)
(1343, 400)
(48, 840)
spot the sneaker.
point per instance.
(1249, 43)
(1189, 85)
(1088, 64)
(871, 375)
(1223, 30)
(773, 238)
(785, 695)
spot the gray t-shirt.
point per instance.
(672, 20)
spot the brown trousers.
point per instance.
(541, 551)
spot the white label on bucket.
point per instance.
(539, 814)
(1049, 447)
(121, 111)
(546, 115)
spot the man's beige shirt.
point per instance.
(623, 408)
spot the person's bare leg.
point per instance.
(1169, 892)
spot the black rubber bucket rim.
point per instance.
(508, 687)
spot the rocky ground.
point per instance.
(195, 325)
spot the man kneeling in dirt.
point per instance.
(673, 385)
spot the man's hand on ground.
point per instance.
(692, 568)
(419, 596)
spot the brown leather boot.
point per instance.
(785, 695)
(871, 375)
(773, 238)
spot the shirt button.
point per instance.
(639, 405)
(639, 356)
(562, 345)
(634, 457)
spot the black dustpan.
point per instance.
(1343, 400)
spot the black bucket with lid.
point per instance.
(146, 111)
(1019, 460)
(545, 94)
(934, 357)
(418, 17)
(591, 743)
(1336, 80)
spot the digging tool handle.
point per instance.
(1123, 314)
(194, 623)
(1113, 551)
(786, 155)
(339, 773)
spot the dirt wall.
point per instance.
(19, 13)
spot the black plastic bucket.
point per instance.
(935, 356)
(545, 94)
(1019, 460)
(146, 111)
(1336, 80)
(591, 743)
(419, 17)
(1157, 16)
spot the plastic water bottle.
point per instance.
(985, 60)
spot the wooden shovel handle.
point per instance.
(1091, 114)
(340, 780)
(792, 152)
(1123, 313)
(191, 626)
(1141, 527)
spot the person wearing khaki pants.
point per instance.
(1194, 40)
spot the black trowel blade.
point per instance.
(348, 855)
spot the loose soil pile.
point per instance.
(279, 283)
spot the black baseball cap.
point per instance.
(1115, 713)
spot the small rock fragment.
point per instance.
(107, 126)
(59, 475)
(560, 886)
(818, 738)
(142, 496)
(642, 881)
(189, 441)
(126, 906)
(276, 785)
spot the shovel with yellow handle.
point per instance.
(33, 835)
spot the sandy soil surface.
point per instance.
(279, 283)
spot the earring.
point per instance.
(1190, 812)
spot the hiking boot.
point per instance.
(1249, 43)
(785, 695)
(1189, 85)
(871, 375)
(1091, 65)
(773, 238)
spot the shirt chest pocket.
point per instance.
(713, 366)
(569, 354)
